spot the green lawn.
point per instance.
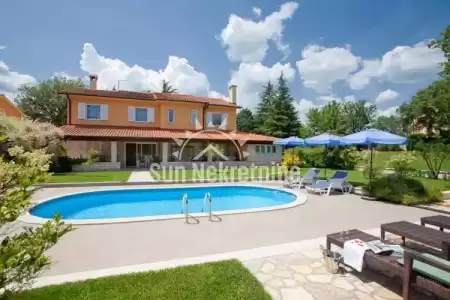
(99, 176)
(226, 280)
(381, 159)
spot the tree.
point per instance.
(444, 44)
(429, 109)
(22, 250)
(434, 154)
(282, 119)
(264, 107)
(358, 115)
(245, 121)
(391, 124)
(166, 87)
(44, 102)
(327, 119)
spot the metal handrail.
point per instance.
(209, 199)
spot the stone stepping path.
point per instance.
(302, 276)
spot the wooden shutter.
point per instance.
(81, 111)
(131, 113)
(104, 112)
(150, 115)
(224, 124)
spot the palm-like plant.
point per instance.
(166, 87)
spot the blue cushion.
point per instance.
(430, 271)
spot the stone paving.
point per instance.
(302, 276)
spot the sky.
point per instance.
(328, 50)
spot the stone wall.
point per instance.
(98, 166)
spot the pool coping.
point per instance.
(300, 199)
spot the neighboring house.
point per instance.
(132, 129)
(8, 108)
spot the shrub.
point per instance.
(434, 155)
(335, 157)
(290, 159)
(402, 163)
(388, 148)
(62, 165)
(93, 156)
(400, 189)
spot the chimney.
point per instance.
(93, 82)
(232, 90)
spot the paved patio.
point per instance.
(94, 247)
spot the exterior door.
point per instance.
(130, 150)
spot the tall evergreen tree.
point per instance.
(264, 108)
(245, 121)
(282, 120)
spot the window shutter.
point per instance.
(209, 119)
(81, 111)
(131, 113)
(104, 112)
(224, 124)
(150, 115)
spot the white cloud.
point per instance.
(360, 79)
(257, 11)
(320, 67)
(250, 78)
(303, 106)
(248, 41)
(401, 64)
(2, 47)
(386, 96)
(10, 81)
(178, 72)
(329, 98)
(388, 112)
(65, 75)
(350, 98)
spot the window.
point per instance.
(269, 149)
(263, 149)
(140, 114)
(194, 117)
(216, 119)
(274, 149)
(93, 111)
(171, 115)
(257, 148)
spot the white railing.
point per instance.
(208, 199)
(185, 207)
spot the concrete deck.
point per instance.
(93, 247)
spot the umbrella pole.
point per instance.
(325, 161)
(370, 168)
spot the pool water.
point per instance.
(158, 201)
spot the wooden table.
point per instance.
(425, 235)
(443, 222)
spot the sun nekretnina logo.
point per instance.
(231, 136)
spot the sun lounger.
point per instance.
(337, 182)
(299, 181)
(428, 273)
(425, 235)
(443, 222)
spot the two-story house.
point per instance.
(132, 129)
(8, 108)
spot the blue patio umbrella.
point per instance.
(292, 141)
(372, 137)
(326, 140)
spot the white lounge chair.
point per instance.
(300, 181)
(337, 182)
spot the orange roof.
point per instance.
(80, 131)
(149, 96)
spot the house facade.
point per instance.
(8, 108)
(133, 129)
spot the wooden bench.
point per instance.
(443, 222)
(425, 235)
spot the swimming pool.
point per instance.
(154, 202)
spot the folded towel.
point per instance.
(354, 254)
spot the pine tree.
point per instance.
(264, 108)
(245, 121)
(282, 120)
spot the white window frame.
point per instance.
(257, 149)
(99, 110)
(173, 116)
(194, 120)
(146, 114)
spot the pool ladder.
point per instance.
(185, 206)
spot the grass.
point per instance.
(99, 176)
(225, 280)
(381, 159)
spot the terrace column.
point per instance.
(113, 152)
(165, 152)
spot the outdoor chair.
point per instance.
(425, 272)
(337, 182)
(300, 181)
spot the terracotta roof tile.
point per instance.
(149, 96)
(156, 133)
